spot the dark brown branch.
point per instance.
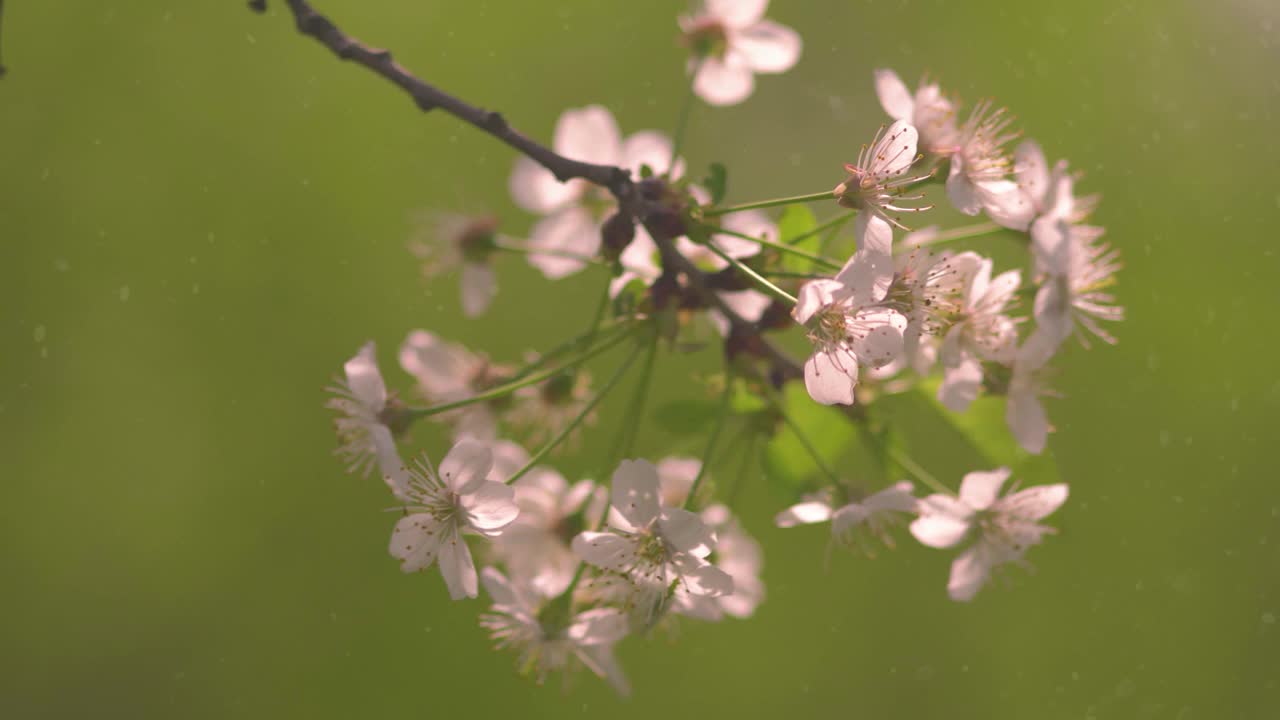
(428, 97)
(2, 67)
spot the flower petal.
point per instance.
(466, 466)
(441, 368)
(1027, 420)
(736, 13)
(364, 380)
(652, 148)
(1035, 503)
(498, 587)
(969, 572)
(457, 568)
(415, 541)
(599, 626)
(768, 47)
(535, 189)
(1032, 171)
(805, 513)
(590, 134)
(813, 296)
(961, 192)
(979, 489)
(879, 337)
(571, 230)
(635, 492)
(606, 550)
(490, 507)
(701, 577)
(869, 272)
(686, 532)
(895, 98)
(895, 151)
(830, 378)
(478, 288)
(723, 82)
(960, 383)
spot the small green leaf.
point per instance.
(717, 182)
(786, 459)
(797, 220)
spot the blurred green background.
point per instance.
(203, 214)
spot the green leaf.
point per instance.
(687, 415)
(717, 182)
(797, 220)
(786, 460)
(983, 428)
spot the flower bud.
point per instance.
(618, 232)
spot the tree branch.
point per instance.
(3, 70)
(428, 97)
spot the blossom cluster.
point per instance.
(573, 568)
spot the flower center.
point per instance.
(706, 37)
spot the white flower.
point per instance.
(652, 545)
(846, 326)
(927, 110)
(1005, 526)
(855, 523)
(550, 642)
(980, 168)
(459, 498)
(981, 332)
(739, 555)
(575, 210)
(1051, 194)
(552, 512)
(458, 241)
(362, 425)
(448, 372)
(928, 287)
(731, 42)
(1024, 412)
(878, 181)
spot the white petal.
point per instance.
(895, 98)
(895, 151)
(675, 477)
(364, 380)
(748, 304)
(601, 661)
(415, 541)
(701, 577)
(600, 626)
(457, 568)
(736, 13)
(813, 296)
(805, 513)
(478, 288)
(830, 378)
(466, 466)
(1032, 170)
(979, 489)
(879, 340)
(1007, 204)
(498, 587)
(535, 189)
(869, 272)
(960, 384)
(1035, 503)
(1002, 289)
(606, 550)
(686, 532)
(571, 230)
(508, 457)
(652, 148)
(969, 572)
(490, 507)
(440, 367)
(768, 47)
(635, 492)
(590, 134)
(961, 192)
(721, 82)
(1027, 421)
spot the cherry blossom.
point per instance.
(981, 332)
(1002, 527)
(552, 512)
(980, 167)
(932, 114)
(879, 180)
(1024, 413)
(459, 242)
(739, 555)
(1075, 296)
(730, 41)
(522, 620)
(854, 523)
(441, 506)
(360, 397)
(574, 211)
(448, 372)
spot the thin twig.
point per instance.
(2, 67)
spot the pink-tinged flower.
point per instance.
(1051, 193)
(523, 620)
(878, 183)
(363, 423)
(980, 168)
(981, 331)
(932, 115)
(1074, 295)
(855, 524)
(1003, 527)
(846, 324)
(928, 287)
(730, 42)
(552, 512)
(651, 545)
(443, 505)
(1024, 413)
(448, 372)
(574, 211)
(465, 243)
(739, 555)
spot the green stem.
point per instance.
(682, 121)
(711, 441)
(548, 252)
(834, 223)
(755, 276)
(507, 389)
(793, 275)
(599, 315)
(921, 474)
(577, 420)
(775, 202)
(960, 233)
(625, 441)
(586, 338)
(825, 262)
